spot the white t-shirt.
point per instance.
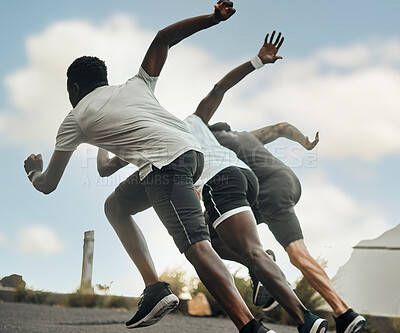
(216, 157)
(128, 121)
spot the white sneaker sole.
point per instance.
(320, 326)
(162, 308)
(356, 325)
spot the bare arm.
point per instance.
(270, 133)
(107, 166)
(157, 53)
(209, 105)
(47, 181)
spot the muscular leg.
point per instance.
(239, 233)
(315, 275)
(131, 238)
(219, 282)
(225, 252)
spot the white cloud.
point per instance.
(2, 239)
(348, 93)
(38, 91)
(38, 241)
(332, 222)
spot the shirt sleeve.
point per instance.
(150, 80)
(195, 120)
(69, 135)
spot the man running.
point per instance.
(228, 190)
(279, 192)
(129, 121)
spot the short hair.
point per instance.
(88, 72)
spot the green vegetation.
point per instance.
(23, 294)
(79, 299)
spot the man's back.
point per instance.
(128, 121)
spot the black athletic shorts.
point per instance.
(279, 193)
(170, 191)
(231, 191)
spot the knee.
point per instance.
(111, 207)
(253, 254)
(197, 251)
(300, 258)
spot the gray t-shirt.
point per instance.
(128, 121)
(279, 186)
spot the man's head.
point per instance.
(217, 127)
(84, 75)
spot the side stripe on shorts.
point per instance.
(212, 199)
(180, 221)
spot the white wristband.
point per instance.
(30, 173)
(256, 62)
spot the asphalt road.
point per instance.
(32, 318)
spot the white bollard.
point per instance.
(87, 263)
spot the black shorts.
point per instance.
(279, 193)
(231, 191)
(170, 191)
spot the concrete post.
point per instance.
(87, 263)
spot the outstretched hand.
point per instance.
(270, 48)
(223, 10)
(310, 145)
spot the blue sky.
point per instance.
(340, 75)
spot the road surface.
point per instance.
(33, 318)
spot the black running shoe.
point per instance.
(261, 296)
(313, 324)
(349, 322)
(156, 301)
(255, 326)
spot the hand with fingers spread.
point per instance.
(223, 10)
(270, 48)
(310, 145)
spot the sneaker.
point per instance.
(313, 324)
(255, 326)
(261, 296)
(349, 322)
(156, 301)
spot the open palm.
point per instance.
(270, 48)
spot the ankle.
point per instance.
(154, 286)
(339, 312)
(248, 327)
(151, 282)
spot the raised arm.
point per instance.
(106, 166)
(156, 55)
(270, 133)
(46, 182)
(267, 54)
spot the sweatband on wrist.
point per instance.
(30, 173)
(256, 62)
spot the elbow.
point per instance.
(163, 38)
(44, 188)
(281, 127)
(102, 172)
(48, 190)
(218, 89)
